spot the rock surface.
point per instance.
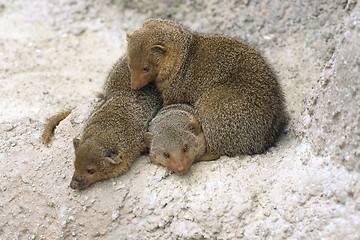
(56, 54)
(332, 112)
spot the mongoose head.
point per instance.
(95, 162)
(144, 62)
(92, 163)
(175, 142)
(155, 51)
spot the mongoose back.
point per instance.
(234, 91)
(113, 135)
(175, 139)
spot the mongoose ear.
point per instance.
(194, 127)
(148, 136)
(112, 156)
(76, 142)
(114, 159)
(128, 36)
(158, 49)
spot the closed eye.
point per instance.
(146, 69)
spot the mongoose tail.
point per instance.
(51, 125)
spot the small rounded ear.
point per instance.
(194, 127)
(148, 136)
(112, 156)
(128, 36)
(76, 142)
(114, 159)
(158, 49)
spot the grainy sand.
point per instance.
(56, 55)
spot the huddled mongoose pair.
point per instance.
(228, 99)
(235, 93)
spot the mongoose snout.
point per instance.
(78, 182)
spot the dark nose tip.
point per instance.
(74, 185)
(77, 183)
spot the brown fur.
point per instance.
(175, 138)
(113, 136)
(234, 91)
(51, 125)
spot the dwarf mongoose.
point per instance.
(234, 91)
(175, 139)
(113, 135)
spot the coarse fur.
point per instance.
(175, 139)
(113, 135)
(51, 125)
(234, 91)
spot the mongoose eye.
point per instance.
(185, 148)
(146, 69)
(91, 171)
(166, 155)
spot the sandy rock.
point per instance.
(331, 116)
(300, 189)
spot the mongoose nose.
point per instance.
(77, 183)
(134, 87)
(74, 185)
(181, 168)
